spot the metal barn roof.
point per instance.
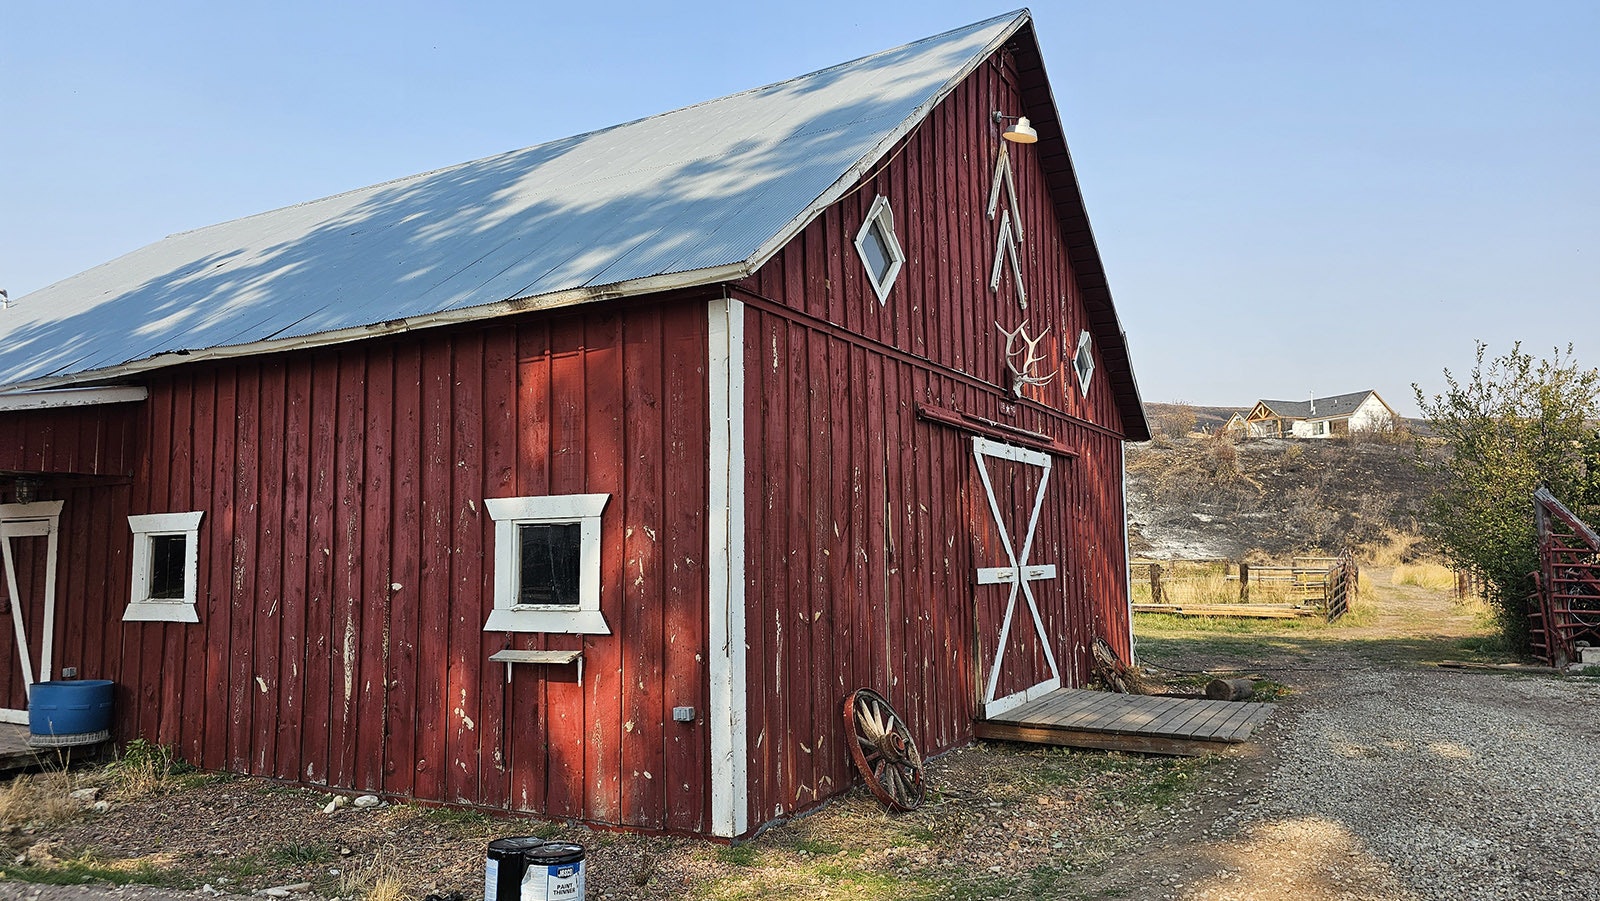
(698, 195)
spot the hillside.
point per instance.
(1204, 497)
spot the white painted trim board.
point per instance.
(728, 716)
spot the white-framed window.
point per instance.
(547, 564)
(166, 567)
(880, 249)
(1083, 361)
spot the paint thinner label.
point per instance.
(491, 876)
(559, 882)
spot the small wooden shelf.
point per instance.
(557, 658)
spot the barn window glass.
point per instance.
(548, 559)
(167, 554)
(880, 249)
(166, 565)
(1083, 362)
(547, 564)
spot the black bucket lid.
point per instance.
(552, 853)
(513, 846)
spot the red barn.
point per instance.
(585, 480)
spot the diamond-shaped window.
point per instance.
(1083, 362)
(880, 249)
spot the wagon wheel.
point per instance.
(884, 750)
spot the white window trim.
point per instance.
(141, 606)
(1085, 374)
(510, 512)
(881, 213)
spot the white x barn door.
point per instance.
(28, 545)
(1014, 673)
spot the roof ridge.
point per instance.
(972, 26)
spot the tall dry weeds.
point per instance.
(38, 799)
(374, 878)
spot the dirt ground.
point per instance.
(1382, 776)
(1375, 774)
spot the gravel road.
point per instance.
(1388, 779)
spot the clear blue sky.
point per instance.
(1288, 196)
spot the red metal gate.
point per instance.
(1564, 608)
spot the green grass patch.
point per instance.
(239, 869)
(88, 869)
(1491, 647)
(458, 817)
(301, 854)
(817, 847)
(739, 855)
(776, 880)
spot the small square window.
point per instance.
(166, 567)
(549, 556)
(1083, 362)
(880, 249)
(547, 564)
(167, 553)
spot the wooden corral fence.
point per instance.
(1564, 608)
(1341, 584)
(1308, 586)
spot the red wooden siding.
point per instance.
(941, 309)
(866, 526)
(92, 572)
(94, 440)
(866, 523)
(346, 566)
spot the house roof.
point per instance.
(696, 196)
(1339, 405)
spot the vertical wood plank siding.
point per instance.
(867, 524)
(92, 570)
(346, 566)
(98, 441)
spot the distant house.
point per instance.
(1236, 426)
(1319, 417)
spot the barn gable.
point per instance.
(893, 441)
(850, 390)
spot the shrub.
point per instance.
(1513, 424)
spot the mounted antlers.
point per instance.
(1022, 376)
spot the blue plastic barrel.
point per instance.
(72, 707)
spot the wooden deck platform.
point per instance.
(1147, 724)
(14, 751)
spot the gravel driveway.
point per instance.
(1388, 779)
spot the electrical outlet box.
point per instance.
(683, 714)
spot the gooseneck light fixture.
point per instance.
(1020, 133)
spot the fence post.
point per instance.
(1244, 582)
(1155, 583)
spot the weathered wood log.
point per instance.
(1230, 689)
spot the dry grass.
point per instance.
(1481, 610)
(144, 768)
(39, 799)
(1426, 574)
(1394, 549)
(376, 878)
(1202, 582)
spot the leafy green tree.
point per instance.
(1513, 424)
